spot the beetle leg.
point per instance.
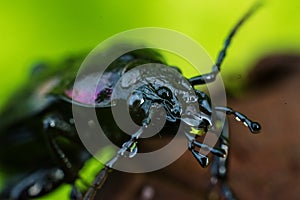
(201, 158)
(37, 184)
(130, 145)
(219, 166)
(210, 77)
(254, 127)
(75, 193)
(53, 126)
(97, 184)
(102, 175)
(60, 127)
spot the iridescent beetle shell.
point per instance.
(105, 84)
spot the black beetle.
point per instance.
(39, 145)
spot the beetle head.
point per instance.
(167, 91)
(191, 108)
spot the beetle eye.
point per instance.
(136, 99)
(164, 93)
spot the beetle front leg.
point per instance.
(97, 184)
(130, 146)
(101, 177)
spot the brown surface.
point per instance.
(263, 166)
(267, 166)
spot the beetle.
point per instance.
(39, 145)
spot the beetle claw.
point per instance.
(202, 159)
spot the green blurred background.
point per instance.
(32, 31)
(37, 30)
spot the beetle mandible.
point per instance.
(38, 123)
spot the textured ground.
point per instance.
(263, 166)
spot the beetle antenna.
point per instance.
(210, 77)
(254, 127)
(228, 40)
